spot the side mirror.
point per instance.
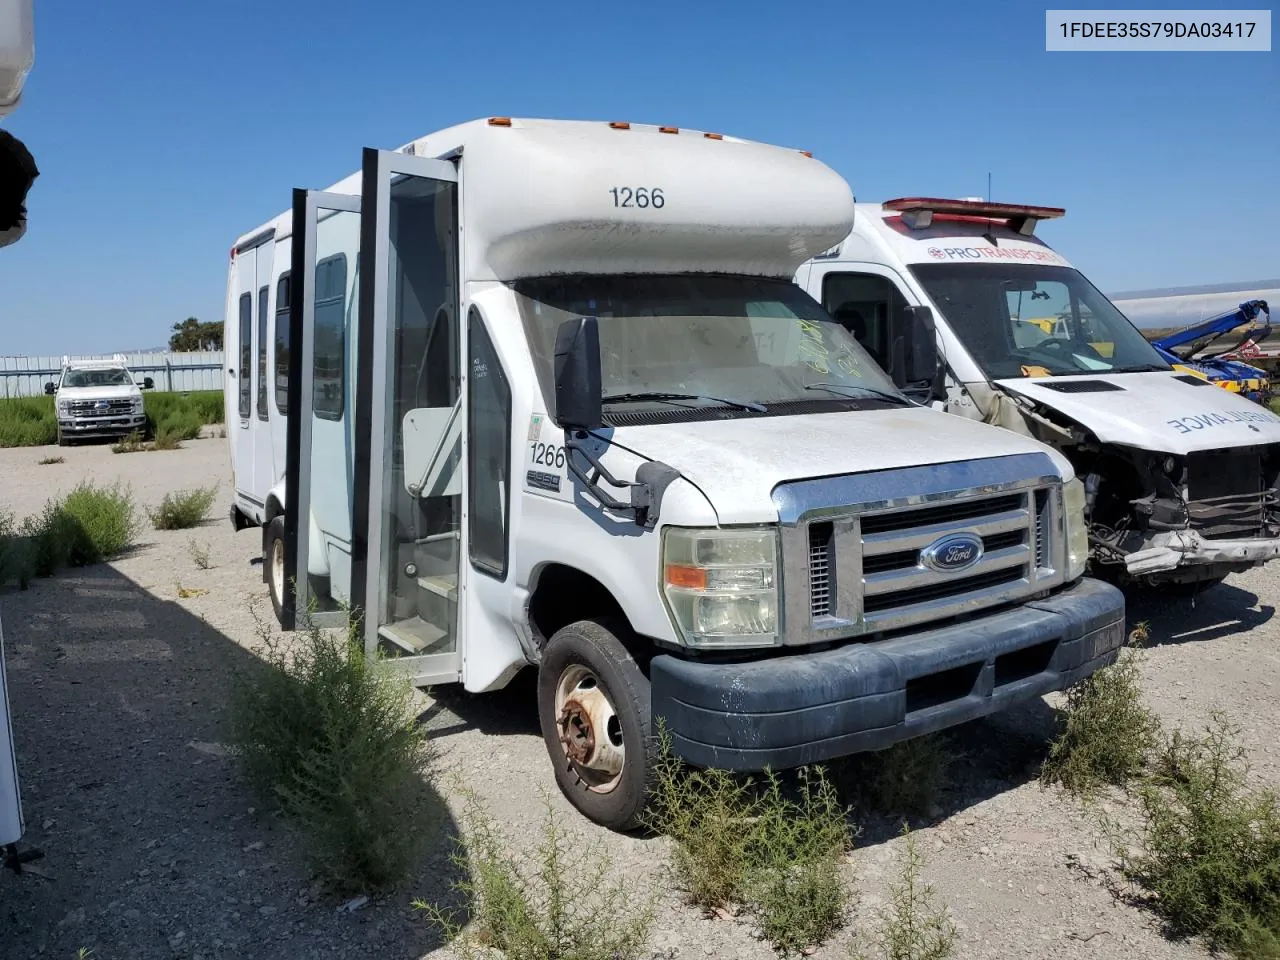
(148, 383)
(577, 371)
(50, 389)
(913, 347)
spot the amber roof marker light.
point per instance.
(668, 129)
(619, 125)
(499, 121)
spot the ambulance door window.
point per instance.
(863, 303)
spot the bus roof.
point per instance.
(542, 197)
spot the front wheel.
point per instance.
(273, 565)
(594, 709)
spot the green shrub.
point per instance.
(27, 422)
(199, 553)
(1210, 845)
(775, 851)
(903, 780)
(330, 741)
(17, 559)
(184, 509)
(1105, 733)
(182, 414)
(554, 901)
(129, 444)
(88, 525)
(794, 883)
(913, 926)
(710, 816)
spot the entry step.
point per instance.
(445, 585)
(415, 636)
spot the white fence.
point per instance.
(26, 376)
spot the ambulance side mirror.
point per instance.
(913, 346)
(577, 371)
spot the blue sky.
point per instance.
(163, 130)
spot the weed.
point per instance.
(199, 553)
(27, 422)
(166, 439)
(184, 509)
(1106, 733)
(554, 901)
(710, 816)
(329, 740)
(774, 851)
(49, 461)
(795, 885)
(1210, 850)
(17, 560)
(903, 780)
(129, 444)
(913, 926)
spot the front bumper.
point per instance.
(804, 708)
(102, 426)
(1175, 548)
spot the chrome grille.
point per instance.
(854, 546)
(895, 581)
(109, 408)
(821, 546)
(1043, 518)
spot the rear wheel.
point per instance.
(594, 709)
(273, 565)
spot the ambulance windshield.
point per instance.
(1020, 320)
(753, 341)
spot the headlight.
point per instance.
(721, 586)
(1077, 530)
(137, 404)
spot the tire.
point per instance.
(273, 565)
(578, 659)
(62, 441)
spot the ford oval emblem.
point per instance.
(953, 553)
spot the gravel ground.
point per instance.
(119, 673)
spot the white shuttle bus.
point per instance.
(531, 392)
(1180, 481)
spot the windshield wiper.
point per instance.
(1141, 368)
(882, 394)
(668, 397)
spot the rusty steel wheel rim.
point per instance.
(589, 729)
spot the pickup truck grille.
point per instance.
(866, 564)
(100, 408)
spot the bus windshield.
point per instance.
(101, 377)
(728, 341)
(1019, 320)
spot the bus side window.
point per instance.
(263, 293)
(328, 373)
(246, 353)
(863, 303)
(282, 344)
(489, 451)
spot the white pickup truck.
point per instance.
(98, 398)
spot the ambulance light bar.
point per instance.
(918, 212)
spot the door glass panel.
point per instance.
(334, 290)
(422, 483)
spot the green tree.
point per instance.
(191, 335)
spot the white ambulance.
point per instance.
(1180, 477)
(542, 393)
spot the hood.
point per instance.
(111, 392)
(737, 463)
(1154, 411)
